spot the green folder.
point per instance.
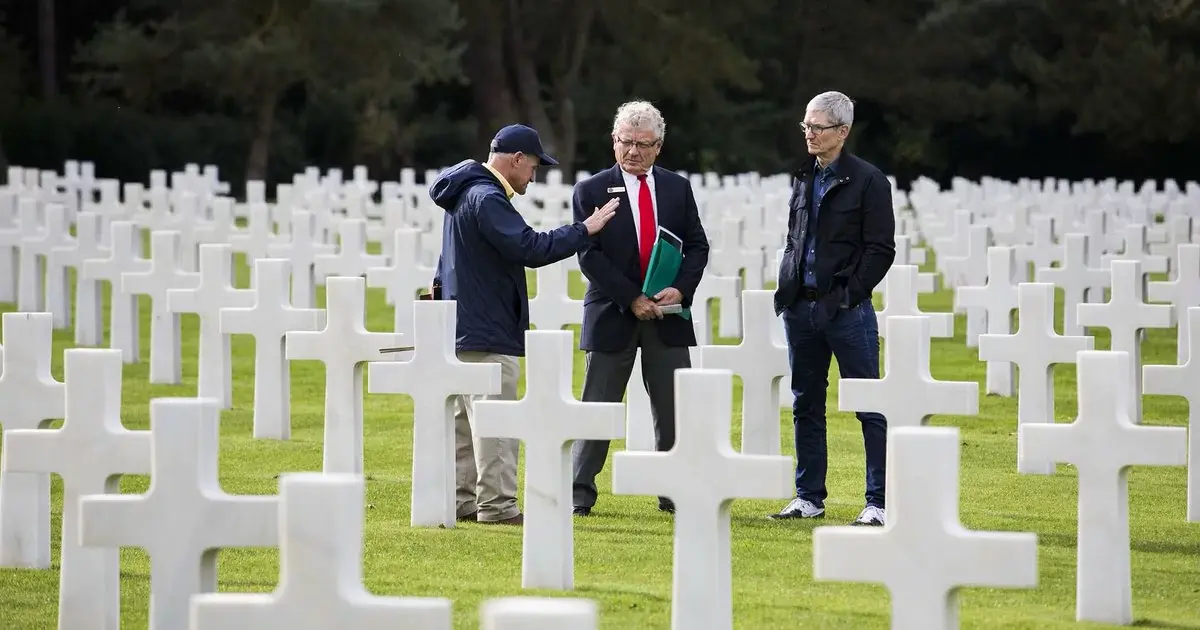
(665, 260)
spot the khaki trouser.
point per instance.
(486, 468)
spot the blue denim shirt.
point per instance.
(822, 178)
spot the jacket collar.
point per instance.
(844, 167)
(508, 189)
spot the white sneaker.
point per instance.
(871, 516)
(800, 508)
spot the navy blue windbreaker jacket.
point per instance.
(486, 246)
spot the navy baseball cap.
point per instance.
(521, 139)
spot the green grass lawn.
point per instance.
(623, 553)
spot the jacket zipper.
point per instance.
(835, 184)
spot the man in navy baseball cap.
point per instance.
(521, 139)
(486, 247)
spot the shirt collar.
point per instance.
(508, 189)
(631, 177)
(832, 168)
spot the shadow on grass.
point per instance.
(1070, 541)
(612, 589)
(1150, 623)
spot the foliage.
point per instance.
(11, 71)
(1008, 87)
(246, 55)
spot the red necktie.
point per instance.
(649, 231)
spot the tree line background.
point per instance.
(264, 88)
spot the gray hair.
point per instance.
(640, 115)
(838, 106)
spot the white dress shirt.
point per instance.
(633, 189)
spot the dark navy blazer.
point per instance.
(610, 260)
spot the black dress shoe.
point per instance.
(666, 505)
(581, 511)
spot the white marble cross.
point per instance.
(432, 377)
(302, 250)
(1183, 293)
(1126, 315)
(727, 291)
(953, 246)
(1035, 348)
(971, 270)
(344, 344)
(89, 307)
(403, 278)
(702, 475)
(321, 577)
(997, 298)
(1136, 248)
(89, 452)
(761, 362)
(29, 398)
(730, 256)
(547, 420)
(924, 555)
(164, 274)
(219, 228)
(1179, 233)
(254, 241)
(1181, 380)
(214, 293)
(56, 291)
(185, 517)
(1103, 444)
(907, 395)
(639, 415)
(552, 307)
(1076, 278)
(10, 247)
(925, 282)
(124, 256)
(31, 290)
(1099, 241)
(268, 320)
(539, 613)
(900, 300)
(1044, 251)
(351, 259)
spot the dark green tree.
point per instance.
(245, 55)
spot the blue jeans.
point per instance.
(853, 337)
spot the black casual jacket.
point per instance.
(855, 235)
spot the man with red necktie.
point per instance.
(617, 317)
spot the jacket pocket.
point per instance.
(787, 285)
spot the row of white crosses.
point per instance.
(356, 328)
(696, 527)
(1103, 595)
(185, 517)
(184, 493)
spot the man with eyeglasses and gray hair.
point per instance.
(840, 244)
(617, 317)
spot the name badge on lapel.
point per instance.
(616, 189)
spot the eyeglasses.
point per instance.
(816, 129)
(643, 145)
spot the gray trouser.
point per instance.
(605, 380)
(486, 468)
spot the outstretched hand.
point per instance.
(601, 216)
